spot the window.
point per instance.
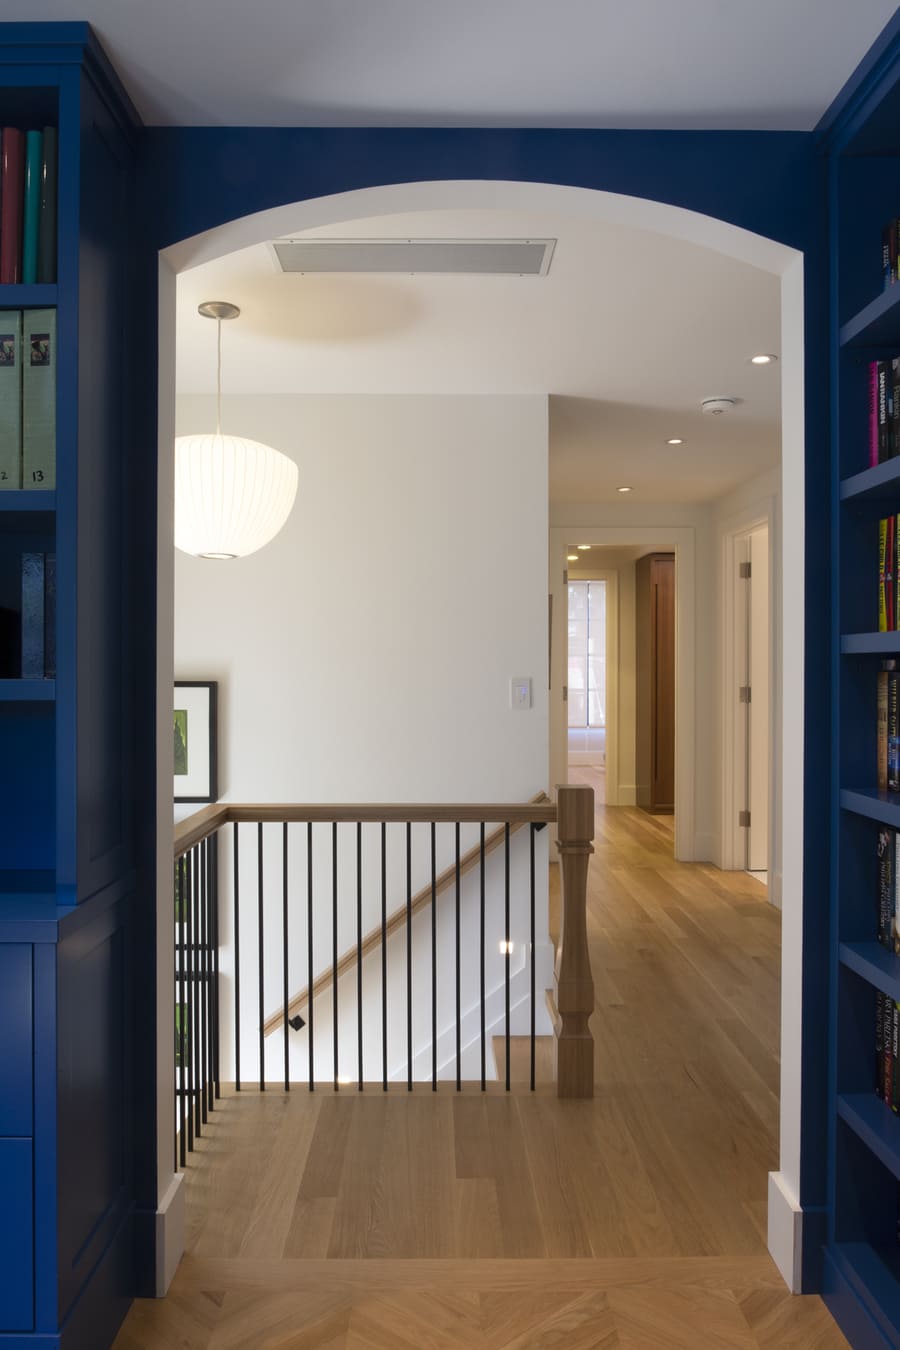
(587, 654)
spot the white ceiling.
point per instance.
(574, 63)
(628, 333)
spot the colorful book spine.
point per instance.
(884, 417)
(12, 180)
(39, 399)
(47, 213)
(880, 1000)
(887, 1036)
(873, 413)
(32, 211)
(890, 571)
(10, 399)
(882, 575)
(882, 730)
(885, 849)
(895, 1076)
(893, 731)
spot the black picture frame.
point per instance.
(199, 779)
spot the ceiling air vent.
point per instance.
(438, 257)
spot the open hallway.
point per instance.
(443, 1220)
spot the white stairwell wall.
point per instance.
(365, 655)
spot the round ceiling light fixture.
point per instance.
(571, 557)
(763, 359)
(232, 495)
(675, 440)
(624, 489)
(582, 548)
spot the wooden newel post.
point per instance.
(573, 1052)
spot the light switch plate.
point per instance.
(520, 692)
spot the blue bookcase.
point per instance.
(862, 1256)
(67, 889)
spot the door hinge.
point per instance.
(744, 818)
(744, 693)
(565, 693)
(565, 576)
(744, 572)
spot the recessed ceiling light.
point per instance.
(763, 359)
(624, 489)
(675, 440)
(583, 547)
(571, 557)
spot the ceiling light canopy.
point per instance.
(624, 489)
(763, 359)
(232, 494)
(675, 440)
(571, 557)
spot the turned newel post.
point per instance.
(573, 1043)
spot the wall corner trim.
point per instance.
(785, 1232)
(170, 1220)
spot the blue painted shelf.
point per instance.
(881, 806)
(27, 501)
(875, 1124)
(874, 963)
(871, 1275)
(877, 325)
(873, 486)
(875, 644)
(27, 691)
(27, 297)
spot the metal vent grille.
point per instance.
(473, 257)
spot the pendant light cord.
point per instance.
(218, 377)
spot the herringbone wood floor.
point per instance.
(368, 1221)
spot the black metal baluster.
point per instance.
(309, 957)
(182, 1020)
(458, 993)
(532, 832)
(207, 969)
(214, 914)
(481, 945)
(284, 957)
(334, 949)
(237, 962)
(189, 1004)
(409, 1071)
(359, 982)
(384, 956)
(260, 953)
(195, 987)
(433, 958)
(201, 983)
(506, 945)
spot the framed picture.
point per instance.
(195, 741)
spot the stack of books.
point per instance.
(27, 206)
(887, 1035)
(27, 399)
(888, 728)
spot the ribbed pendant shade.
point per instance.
(231, 495)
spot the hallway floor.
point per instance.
(633, 1221)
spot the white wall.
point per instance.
(365, 655)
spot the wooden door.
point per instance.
(655, 682)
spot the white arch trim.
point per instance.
(785, 1217)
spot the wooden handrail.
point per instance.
(540, 810)
(573, 1056)
(397, 918)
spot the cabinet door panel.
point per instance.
(15, 1040)
(16, 1236)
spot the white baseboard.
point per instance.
(169, 1234)
(627, 795)
(707, 848)
(785, 1234)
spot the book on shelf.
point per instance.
(28, 202)
(884, 410)
(886, 859)
(38, 622)
(39, 399)
(887, 734)
(890, 253)
(10, 399)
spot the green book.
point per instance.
(10, 399)
(33, 140)
(39, 399)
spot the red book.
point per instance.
(12, 201)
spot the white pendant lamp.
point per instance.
(232, 495)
